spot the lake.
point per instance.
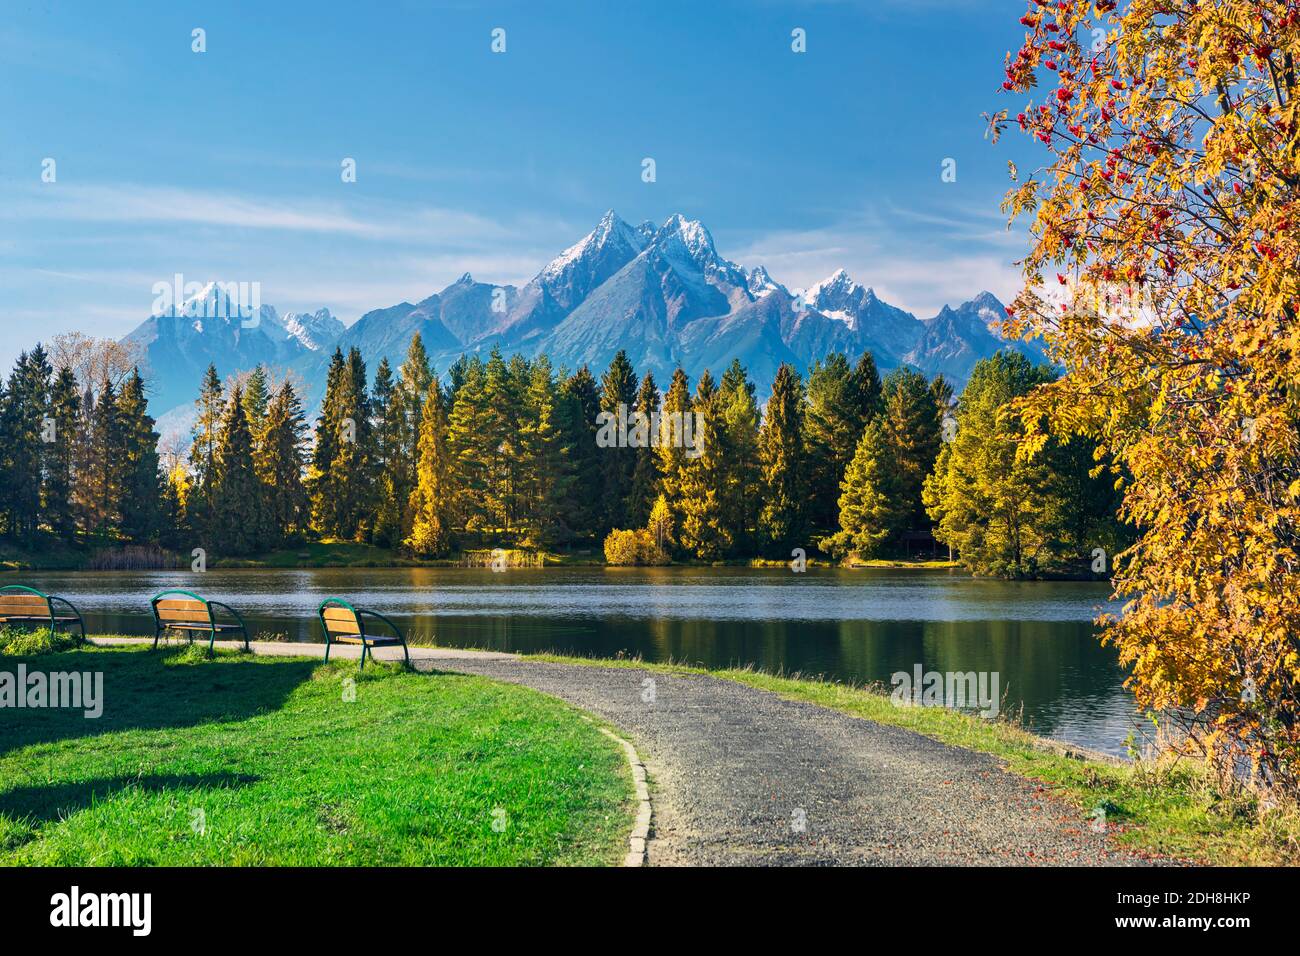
(858, 626)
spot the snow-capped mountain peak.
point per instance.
(314, 331)
(837, 286)
(693, 235)
(215, 301)
(761, 283)
(663, 293)
(611, 235)
(689, 244)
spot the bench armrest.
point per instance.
(395, 629)
(69, 605)
(229, 610)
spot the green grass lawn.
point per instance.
(1161, 808)
(247, 760)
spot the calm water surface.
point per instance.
(853, 625)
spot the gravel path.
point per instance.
(741, 776)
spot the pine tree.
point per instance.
(1004, 513)
(643, 488)
(703, 530)
(739, 490)
(103, 476)
(674, 420)
(432, 498)
(141, 506)
(84, 458)
(546, 478)
(340, 480)
(239, 518)
(280, 461)
(390, 461)
(355, 469)
(414, 380)
(498, 442)
(867, 390)
(257, 400)
(60, 455)
(618, 397)
(467, 445)
(322, 476)
(175, 531)
(782, 520)
(22, 424)
(941, 390)
(832, 426)
(578, 408)
(203, 450)
(871, 509)
(912, 424)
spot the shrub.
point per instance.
(20, 643)
(626, 548)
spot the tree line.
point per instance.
(513, 452)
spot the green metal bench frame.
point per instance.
(51, 617)
(214, 627)
(366, 641)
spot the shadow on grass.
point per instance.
(153, 690)
(50, 803)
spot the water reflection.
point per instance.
(858, 626)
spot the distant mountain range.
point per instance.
(662, 293)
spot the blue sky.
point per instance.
(226, 164)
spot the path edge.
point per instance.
(636, 843)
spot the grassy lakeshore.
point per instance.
(247, 760)
(1165, 809)
(58, 556)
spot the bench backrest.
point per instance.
(180, 608)
(340, 620)
(18, 601)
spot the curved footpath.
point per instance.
(742, 776)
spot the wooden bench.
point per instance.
(187, 612)
(345, 624)
(23, 605)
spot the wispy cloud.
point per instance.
(134, 203)
(957, 254)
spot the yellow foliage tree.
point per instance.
(1163, 277)
(430, 503)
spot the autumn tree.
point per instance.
(433, 496)
(704, 532)
(675, 418)
(1162, 276)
